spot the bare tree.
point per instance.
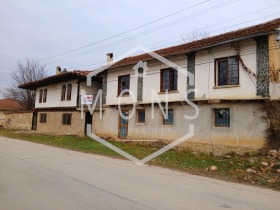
(24, 73)
(196, 34)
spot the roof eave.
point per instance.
(202, 48)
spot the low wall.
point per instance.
(2, 118)
(18, 120)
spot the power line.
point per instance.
(133, 29)
(148, 31)
(213, 30)
(134, 36)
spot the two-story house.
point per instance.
(59, 100)
(233, 73)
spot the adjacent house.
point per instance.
(6, 106)
(58, 104)
(216, 84)
(233, 74)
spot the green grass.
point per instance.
(229, 168)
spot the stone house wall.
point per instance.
(55, 126)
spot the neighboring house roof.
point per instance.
(256, 30)
(63, 77)
(9, 105)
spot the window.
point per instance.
(63, 92)
(123, 84)
(43, 118)
(169, 120)
(66, 119)
(168, 80)
(227, 71)
(141, 116)
(69, 92)
(41, 96)
(222, 117)
(45, 95)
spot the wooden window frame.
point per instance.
(43, 117)
(69, 92)
(66, 119)
(172, 81)
(45, 95)
(41, 96)
(164, 120)
(119, 83)
(63, 92)
(215, 110)
(217, 71)
(139, 111)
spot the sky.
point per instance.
(77, 34)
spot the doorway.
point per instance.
(123, 125)
(34, 121)
(88, 120)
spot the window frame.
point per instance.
(171, 86)
(66, 119)
(139, 111)
(41, 96)
(63, 93)
(164, 122)
(119, 83)
(43, 117)
(215, 110)
(69, 92)
(45, 95)
(217, 60)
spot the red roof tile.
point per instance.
(67, 76)
(9, 104)
(269, 26)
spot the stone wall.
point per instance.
(54, 123)
(18, 120)
(2, 118)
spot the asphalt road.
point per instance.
(34, 176)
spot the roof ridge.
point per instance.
(193, 45)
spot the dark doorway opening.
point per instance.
(34, 121)
(88, 120)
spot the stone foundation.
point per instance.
(245, 133)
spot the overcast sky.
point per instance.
(43, 30)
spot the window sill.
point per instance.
(170, 92)
(167, 125)
(226, 86)
(140, 123)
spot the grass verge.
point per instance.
(231, 168)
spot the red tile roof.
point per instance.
(63, 77)
(267, 27)
(9, 104)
